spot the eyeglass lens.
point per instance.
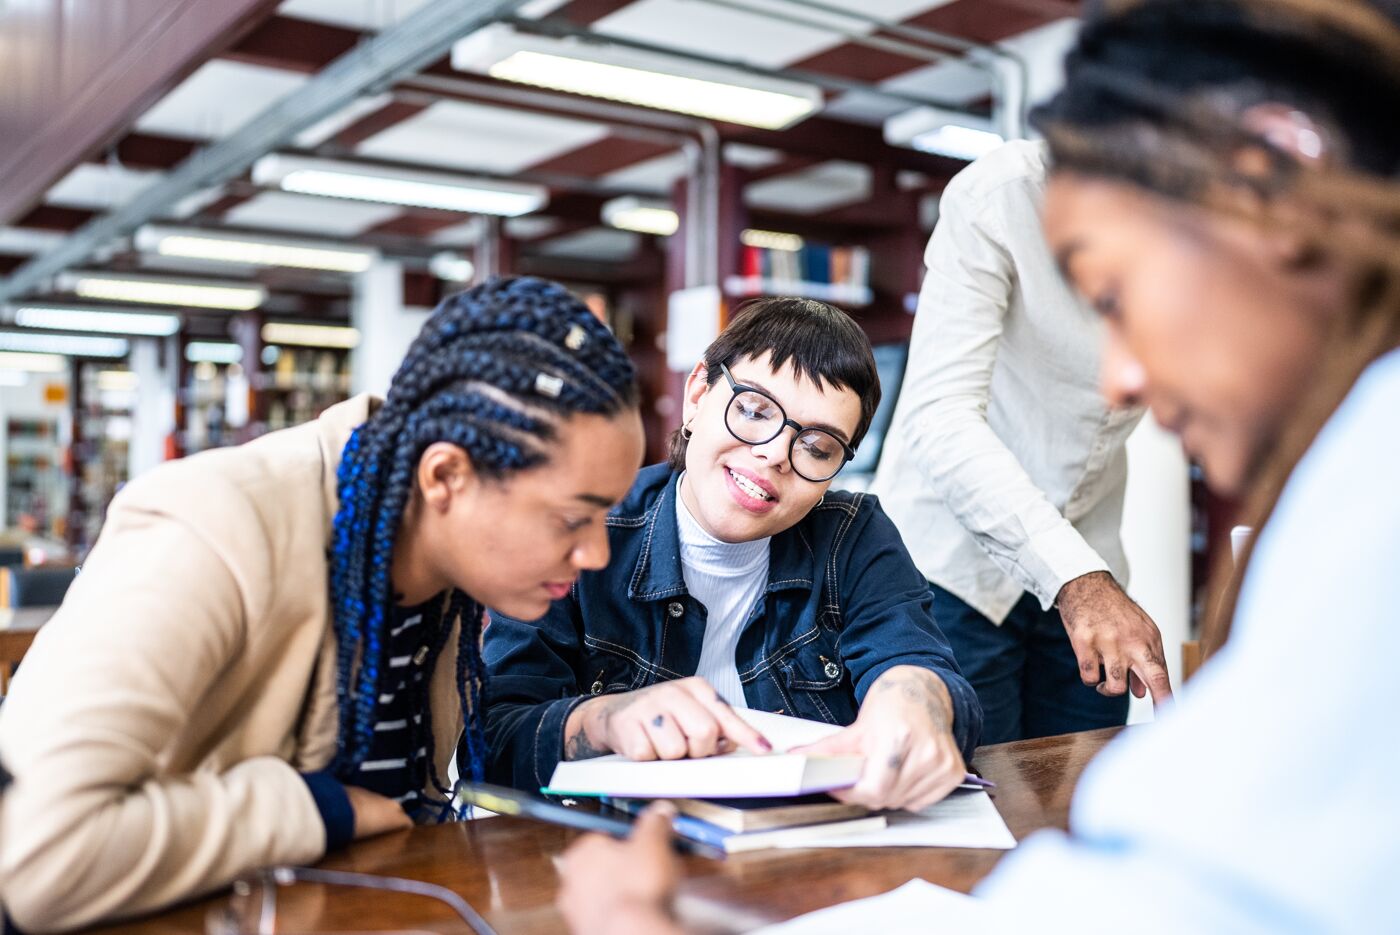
(754, 418)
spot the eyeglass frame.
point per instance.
(736, 388)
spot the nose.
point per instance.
(1122, 379)
(775, 451)
(591, 552)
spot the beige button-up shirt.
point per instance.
(1004, 467)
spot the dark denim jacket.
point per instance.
(844, 603)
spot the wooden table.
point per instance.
(17, 629)
(505, 866)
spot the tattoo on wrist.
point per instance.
(919, 691)
(579, 747)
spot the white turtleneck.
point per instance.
(728, 578)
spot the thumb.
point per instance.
(845, 743)
(652, 829)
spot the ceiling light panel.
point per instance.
(414, 189)
(73, 345)
(645, 217)
(252, 251)
(286, 332)
(634, 77)
(113, 287)
(106, 321)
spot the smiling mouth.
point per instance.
(749, 487)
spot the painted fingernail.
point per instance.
(765, 744)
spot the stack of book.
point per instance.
(834, 274)
(737, 825)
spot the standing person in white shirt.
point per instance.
(1005, 468)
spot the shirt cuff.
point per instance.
(333, 803)
(549, 737)
(1053, 558)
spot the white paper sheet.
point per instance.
(912, 908)
(964, 819)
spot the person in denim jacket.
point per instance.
(740, 579)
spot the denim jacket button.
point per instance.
(832, 670)
(596, 688)
(675, 608)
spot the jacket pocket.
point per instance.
(818, 686)
(608, 669)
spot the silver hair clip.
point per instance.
(575, 338)
(547, 384)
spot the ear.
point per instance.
(445, 471)
(696, 386)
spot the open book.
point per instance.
(733, 775)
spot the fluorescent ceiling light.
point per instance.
(253, 251)
(286, 332)
(73, 345)
(213, 352)
(770, 240)
(14, 377)
(396, 187)
(451, 267)
(943, 133)
(69, 318)
(646, 79)
(645, 217)
(32, 363)
(191, 293)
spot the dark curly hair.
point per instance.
(494, 371)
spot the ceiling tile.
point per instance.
(99, 187)
(655, 175)
(812, 190)
(364, 15)
(745, 36)
(306, 214)
(218, 99)
(452, 134)
(596, 243)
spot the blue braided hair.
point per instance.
(494, 370)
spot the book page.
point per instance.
(964, 819)
(908, 909)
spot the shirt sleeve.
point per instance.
(94, 826)
(887, 619)
(1265, 799)
(531, 689)
(962, 307)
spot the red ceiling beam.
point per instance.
(294, 44)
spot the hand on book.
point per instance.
(666, 721)
(622, 887)
(904, 731)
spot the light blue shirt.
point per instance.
(1268, 799)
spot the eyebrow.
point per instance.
(824, 426)
(596, 500)
(1065, 255)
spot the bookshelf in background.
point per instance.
(779, 263)
(296, 384)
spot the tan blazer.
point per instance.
(158, 725)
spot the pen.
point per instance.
(518, 804)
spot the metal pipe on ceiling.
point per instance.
(419, 39)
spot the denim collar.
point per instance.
(658, 574)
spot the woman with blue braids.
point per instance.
(274, 649)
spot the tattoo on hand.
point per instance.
(659, 720)
(917, 691)
(895, 761)
(579, 747)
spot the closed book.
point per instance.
(736, 842)
(735, 775)
(745, 815)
